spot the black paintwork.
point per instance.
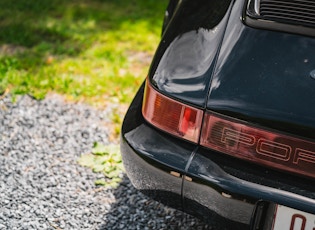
(169, 12)
(186, 56)
(210, 59)
(264, 77)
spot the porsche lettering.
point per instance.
(263, 147)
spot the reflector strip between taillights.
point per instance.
(229, 136)
(257, 145)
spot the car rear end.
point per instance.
(223, 127)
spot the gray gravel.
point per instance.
(43, 187)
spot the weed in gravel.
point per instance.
(104, 159)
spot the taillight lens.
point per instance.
(253, 144)
(170, 115)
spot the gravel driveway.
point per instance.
(43, 187)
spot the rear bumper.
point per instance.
(199, 181)
(169, 184)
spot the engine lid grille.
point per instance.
(298, 12)
(291, 16)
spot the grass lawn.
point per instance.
(96, 51)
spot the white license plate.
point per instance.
(291, 219)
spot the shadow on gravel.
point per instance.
(133, 210)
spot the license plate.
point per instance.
(291, 219)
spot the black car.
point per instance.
(224, 125)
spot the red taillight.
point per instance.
(171, 116)
(267, 148)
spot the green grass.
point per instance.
(89, 50)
